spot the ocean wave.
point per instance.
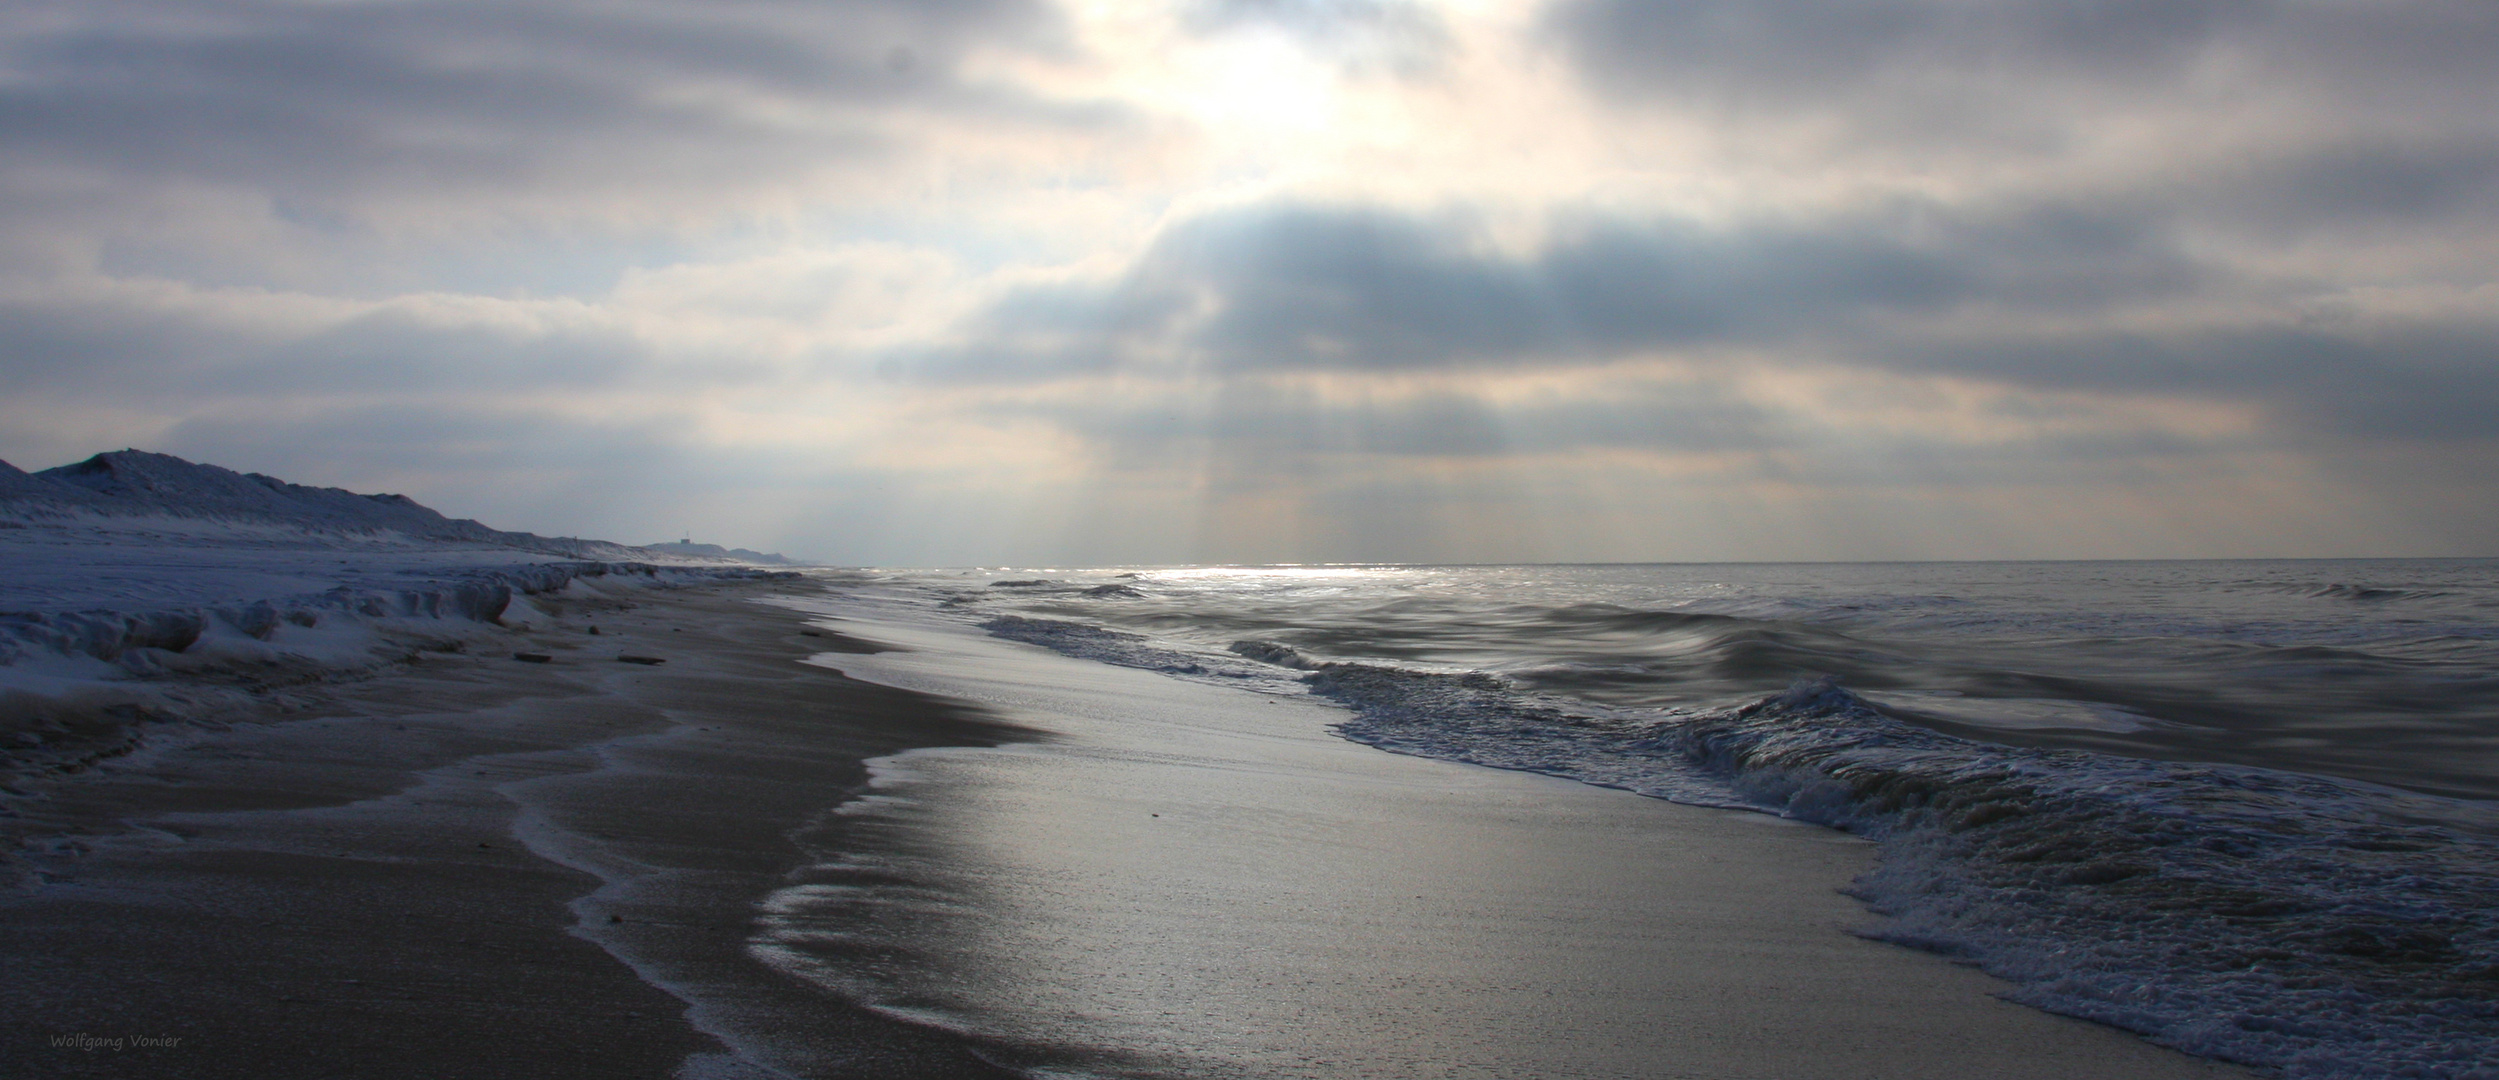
(2313, 925)
(2322, 927)
(1096, 643)
(2295, 922)
(2368, 593)
(2404, 700)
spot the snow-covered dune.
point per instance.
(135, 484)
(131, 581)
(147, 535)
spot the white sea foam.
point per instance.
(2318, 926)
(2324, 927)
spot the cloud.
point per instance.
(1854, 55)
(1299, 286)
(337, 114)
(2424, 192)
(2270, 119)
(1808, 50)
(945, 275)
(2048, 298)
(166, 344)
(1363, 36)
(2389, 377)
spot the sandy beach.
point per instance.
(471, 866)
(1249, 539)
(480, 867)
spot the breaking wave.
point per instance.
(2323, 927)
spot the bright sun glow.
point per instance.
(1257, 85)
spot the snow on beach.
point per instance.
(143, 589)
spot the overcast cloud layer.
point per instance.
(1013, 281)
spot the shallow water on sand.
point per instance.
(1201, 881)
(2245, 808)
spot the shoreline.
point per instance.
(1193, 879)
(470, 865)
(478, 866)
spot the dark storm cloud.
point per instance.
(324, 103)
(2044, 298)
(1302, 287)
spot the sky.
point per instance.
(1022, 282)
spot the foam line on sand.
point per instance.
(436, 872)
(1189, 879)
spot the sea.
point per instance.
(2245, 808)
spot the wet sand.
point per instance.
(479, 867)
(1196, 880)
(434, 873)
